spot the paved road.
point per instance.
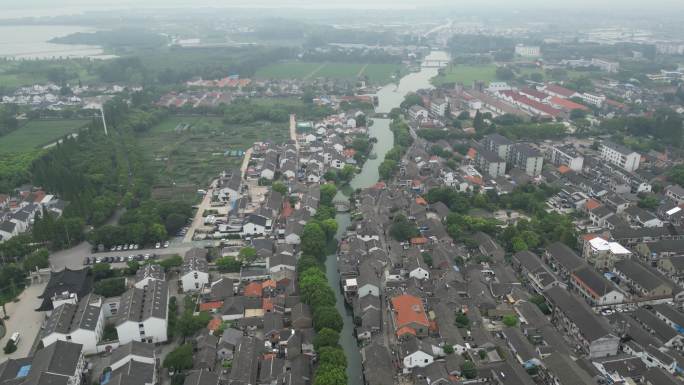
(199, 218)
(73, 258)
(24, 319)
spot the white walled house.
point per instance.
(195, 270)
(80, 323)
(143, 314)
(417, 268)
(147, 273)
(256, 225)
(134, 363)
(620, 155)
(416, 353)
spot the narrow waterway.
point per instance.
(389, 97)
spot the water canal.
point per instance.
(389, 97)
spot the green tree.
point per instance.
(326, 338)
(327, 317)
(504, 73)
(174, 222)
(279, 187)
(329, 226)
(328, 192)
(189, 324)
(329, 355)
(510, 320)
(38, 259)
(313, 240)
(468, 370)
(110, 287)
(171, 262)
(448, 349)
(228, 264)
(330, 375)
(180, 358)
(402, 230)
(247, 254)
(462, 320)
(102, 271)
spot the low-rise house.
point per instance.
(417, 268)
(538, 275)
(245, 361)
(147, 273)
(134, 363)
(201, 377)
(675, 192)
(654, 251)
(409, 316)
(282, 265)
(377, 365)
(65, 286)
(256, 224)
(671, 316)
(81, 323)
(416, 353)
(562, 259)
(563, 370)
(590, 333)
(488, 246)
(596, 289)
(143, 314)
(602, 254)
(60, 363)
(368, 281)
(195, 270)
(642, 281)
(227, 343)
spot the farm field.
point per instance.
(466, 74)
(37, 133)
(378, 73)
(190, 157)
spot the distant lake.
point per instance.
(31, 42)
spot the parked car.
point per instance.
(118, 248)
(131, 257)
(166, 244)
(158, 245)
(113, 248)
(131, 246)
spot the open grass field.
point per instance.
(36, 134)
(188, 160)
(377, 73)
(466, 74)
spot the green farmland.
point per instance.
(188, 158)
(377, 73)
(36, 134)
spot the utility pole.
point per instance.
(104, 123)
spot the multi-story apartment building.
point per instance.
(527, 158)
(567, 155)
(620, 155)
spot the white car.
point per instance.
(113, 248)
(158, 245)
(118, 248)
(166, 244)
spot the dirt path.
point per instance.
(362, 70)
(314, 72)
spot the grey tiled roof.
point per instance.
(140, 304)
(67, 318)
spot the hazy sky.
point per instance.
(511, 4)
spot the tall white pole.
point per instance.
(104, 123)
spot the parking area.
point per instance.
(25, 320)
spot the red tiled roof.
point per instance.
(563, 169)
(534, 93)
(566, 104)
(405, 330)
(214, 324)
(268, 283)
(418, 241)
(408, 310)
(421, 201)
(592, 204)
(210, 305)
(253, 289)
(556, 89)
(267, 304)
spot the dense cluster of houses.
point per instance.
(18, 210)
(52, 97)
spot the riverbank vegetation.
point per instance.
(402, 141)
(316, 291)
